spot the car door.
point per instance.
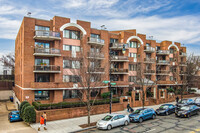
(115, 121)
(146, 114)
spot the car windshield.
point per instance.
(138, 111)
(164, 107)
(197, 100)
(185, 108)
(15, 113)
(183, 101)
(107, 118)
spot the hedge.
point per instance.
(39, 106)
(29, 115)
(21, 105)
(23, 108)
(105, 95)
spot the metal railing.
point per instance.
(96, 69)
(162, 72)
(183, 54)
(96, 40)
(119, 70)
(46, 68)
(118, 45)
(149, 48)
(149, 60)
(95, 55)
(115, 57)
(149, 71)
(47, 33)
(183, 63)
(163, 52)
(163, 62)
(47, 51)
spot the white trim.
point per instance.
(74, 25)
(58, 88)
(135, 37)
(174, 46)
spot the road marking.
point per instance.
(197, 129)
(150, 130)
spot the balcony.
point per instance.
(182, 54)
(119, 71)
(46, 69)
(118, 46)
(149, 60)
(95, 55)
(96, 41)
(163, 52)
(46, 52)
(47, 35)
(96, 70)
(149, 72)
(119, 58)
(182, 73)
(182, 64)
(162, 72)
(149, 49)
(163, 62)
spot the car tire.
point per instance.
(167, 113)
(153, 116)
(140, 120)
(126, 123)
(109, 127)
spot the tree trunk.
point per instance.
(88, 108)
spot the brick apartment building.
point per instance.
(42, 66)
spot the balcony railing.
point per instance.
(162, 72)
(149, 60)
(118, 46)
(163, 62)
(96, 41)
(182, 72)
(47, 35)
(183, 54)
(119, 58)
(163, 52)
(119, 71)
(95, 55)
(96, 70)
(46, 69)
(47, 52)
(182, 63)
(149, 49)
(149, 72)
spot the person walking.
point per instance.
(128, 106)
(45, 118)
(177, 99)
(41, 123)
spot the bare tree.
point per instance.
(90, 74)
(9, 61)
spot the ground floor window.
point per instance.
(71, 94)
(94, 93)
(114, 91)
(137, 96)
(162, 94)
(41, 95)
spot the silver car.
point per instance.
(113, 120)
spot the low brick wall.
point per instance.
(66, 113)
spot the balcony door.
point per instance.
(39, 62)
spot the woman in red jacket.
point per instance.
(42, 123)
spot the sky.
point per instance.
(174, 20)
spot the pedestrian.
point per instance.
(128, 106)
(45, 118)
(177, 99)
(41, 123)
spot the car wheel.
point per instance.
(140, 120)
(109, 127)
(167, 113)
(153, 116)
(126, 123)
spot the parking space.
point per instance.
(162, 124)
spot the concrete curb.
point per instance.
(83, 129)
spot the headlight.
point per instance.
(137, 117)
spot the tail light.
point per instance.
(10, 116)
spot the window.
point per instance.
(157, 48)
(71, 78)
(171, 78)
(113, 40)
(132, 78)
(137, 96)
(171, 50)
(95, 36)
(70, 48)
(132, 44)
(94, 93)
(71, 34)
(171, 59)
(114, 91)
(133, 55)
(114, 78)
(147, 44)
(42, 78)
(41, 28)
(71, 64)
(95, 78)
(121, 116)
(66, 64)
(76, 64)
(41, 95)
(132, 67)
(41, 45)
(71, 94)
(42, 62)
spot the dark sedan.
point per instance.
(197, 102)
(184, 102)
(187, 111)
(166, 109)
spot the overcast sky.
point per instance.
(174, 20)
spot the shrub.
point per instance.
(170, 90)
(105, 95)
(128, 93)
(21, 105)
(29, 114)
(23, 108)
(191, 90)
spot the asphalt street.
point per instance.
(162, 124)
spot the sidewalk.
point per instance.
(72, 125)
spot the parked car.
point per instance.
(166, 109)
(187, 111)
(184, 102)
(197, 102)
(142, 114)
(113, 120)
(14, 116)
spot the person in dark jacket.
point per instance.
(128, 107)
(177, 99)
